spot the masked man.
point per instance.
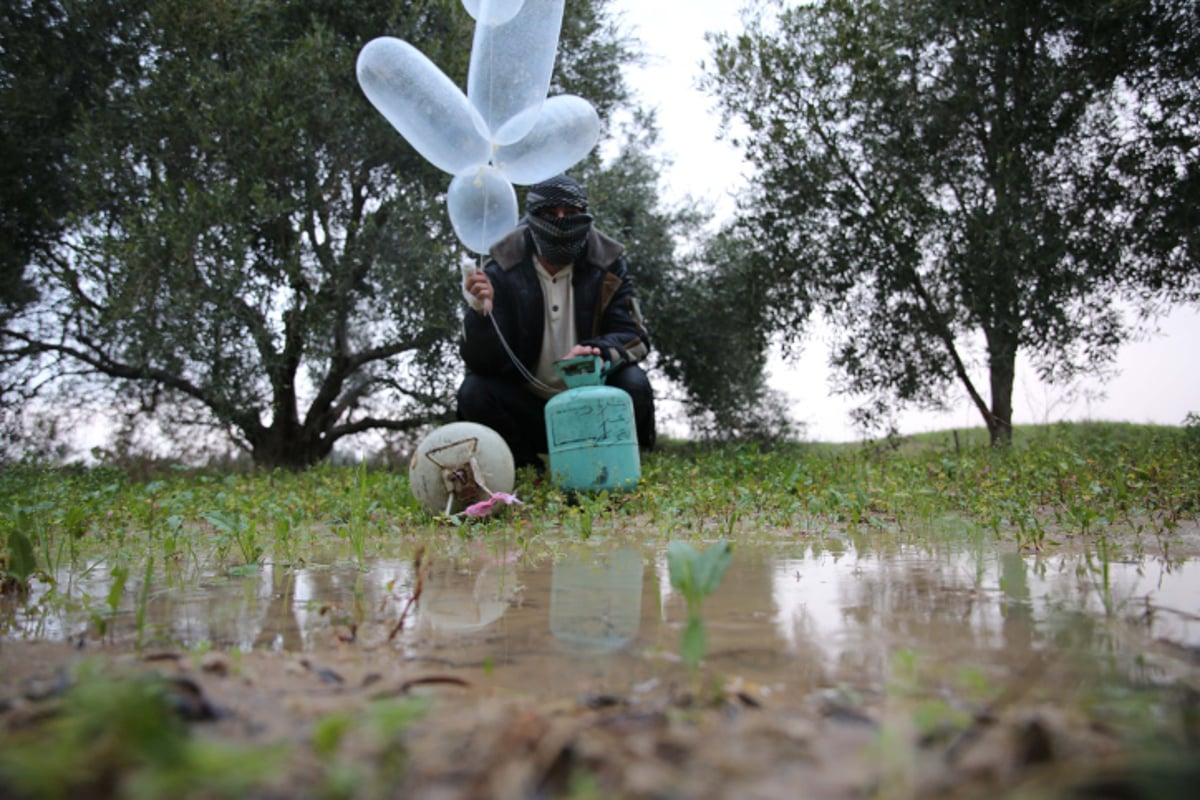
(555, 287)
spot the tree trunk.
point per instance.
(293, 448)
(1002, 361)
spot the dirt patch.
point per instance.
(833, 670)
(473, 741)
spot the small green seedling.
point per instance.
(233, 528)
(696, 575)
(18, 565)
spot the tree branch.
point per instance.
(936, 317)
(377, 423)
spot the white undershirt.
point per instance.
(558, 331)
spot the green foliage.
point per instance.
(329, 732)
(230, 241)
(347, 772)
(714, 339)
(125, 733)
(58, 57)
(116, 589)
(940, 182)
(20, 563)
(233, 528)
(696, 575)
(1157, 49)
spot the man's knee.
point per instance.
(491, 402)
(633, 380)
(507, 408)
(474, 399)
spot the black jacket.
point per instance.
(606, 310)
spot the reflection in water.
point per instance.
(796, 616)
(1017, 606)
(460, 599)
(851, 615)
(596, 601)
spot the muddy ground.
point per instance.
(495, 726)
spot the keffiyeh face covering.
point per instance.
(560, 240)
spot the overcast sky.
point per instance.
(1158, 380)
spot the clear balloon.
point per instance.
(492, 12)
(482, 206)
(511, 65)
(566, 130)
(423, 104)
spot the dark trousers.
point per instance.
(518, 414)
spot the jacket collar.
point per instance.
(517, 246)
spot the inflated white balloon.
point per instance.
(482, 206)
(492, 12)
(511, 65)
(423, 104)
(567, 128)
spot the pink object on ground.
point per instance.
(487, 507)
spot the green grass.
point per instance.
(123, 737)
(1055, 481)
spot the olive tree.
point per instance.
(936, 176)
(251, 246)
(56, 58)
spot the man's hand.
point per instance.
(477, 285)
(581, 350)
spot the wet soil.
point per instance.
(839, 666)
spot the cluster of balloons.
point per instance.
(504, 130)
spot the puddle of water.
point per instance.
(789, 619)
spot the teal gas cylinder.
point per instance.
(591, 432)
